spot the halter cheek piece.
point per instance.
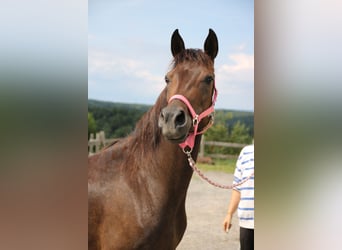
(188, 144)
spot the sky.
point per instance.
(129, 47)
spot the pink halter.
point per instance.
(196, 119)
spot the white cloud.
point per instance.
(125, 75)
(91, 36)
(235, 82)
(108, 65)
(241, 47)
(242, 68)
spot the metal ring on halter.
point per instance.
(212, 116)
(211, 119)
(211, 122)
(185, 151)
(195, 121)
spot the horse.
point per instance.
(137, 186)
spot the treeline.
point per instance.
(115, 119)
(230, 126)
(118, 120)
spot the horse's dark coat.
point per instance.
(137, 186)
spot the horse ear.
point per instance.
(177, 43)
(211, 44)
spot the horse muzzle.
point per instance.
(175, 123)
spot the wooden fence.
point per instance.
(98, 141)
(219, 144)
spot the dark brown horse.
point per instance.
(137, 186)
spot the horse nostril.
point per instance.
(180, 119)
(164, 115)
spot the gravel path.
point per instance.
(206, 208)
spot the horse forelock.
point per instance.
(192, 55)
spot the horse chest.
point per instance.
(141, 221)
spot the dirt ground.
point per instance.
(206, 208)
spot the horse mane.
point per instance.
(147, 133)
(142, 143)
(192, 55)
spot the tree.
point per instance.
(91, 124)
(218, 132)
(240, 133)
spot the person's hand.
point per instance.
(227, 223)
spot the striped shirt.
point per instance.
(244, 168)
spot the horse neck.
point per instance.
(175, 166)
(167, 159)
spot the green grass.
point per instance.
(226, 165)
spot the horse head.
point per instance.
(190, 89)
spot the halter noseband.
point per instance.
(188, 144)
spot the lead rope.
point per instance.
(192, 164)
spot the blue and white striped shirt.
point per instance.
(244, 168)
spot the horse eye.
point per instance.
(167, 80)
(208, 79)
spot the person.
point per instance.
(242, 198)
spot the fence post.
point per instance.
(91, 145)
(201, 153)
(102, 139)
(98, 143)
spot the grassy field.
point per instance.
(226, 166)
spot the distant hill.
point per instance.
(119, 105)
(119, 119)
